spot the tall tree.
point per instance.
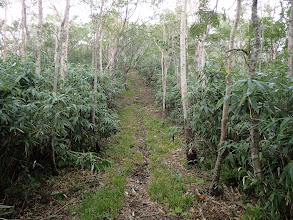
(227, 94)
(165, 63)
(22, 49)
(39, 44)
(5, 30)
(28, 36)
(64, 55)
(114, 47)
(57, 32)
(98, 35)
(59, 45)
(184, 91)
(254, 132)
(290, 40)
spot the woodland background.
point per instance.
(225, 82)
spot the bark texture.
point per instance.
(65, 45)
(22, 48)
(224, 120)
(98, 35)
(5, 30)
(57, 34)
(290, 41)
(59, 45)
(184, 91)
(28, 36)
(254, 132)
(39, 44)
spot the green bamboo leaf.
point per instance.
(254, 104)
(220, 103)
(251, 86)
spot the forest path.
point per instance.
(159, 184)
(148, 179)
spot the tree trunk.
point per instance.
(30, 43)
(254, 132)
(5, 30)
(290, 41)
(184, 91)
(39, 45)
(101, 51)
(22, 49)
(115, 45)
(227, 94)
(98, 35)
(163, 88)
(261, 46)
(57, 34)
(59, 45)
(65, 45)
(94, 37)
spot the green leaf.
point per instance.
(250, 86)
(220, 103)
(244, 95)
(261, 84)
(254, 104)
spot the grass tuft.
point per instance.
(168, 188)
(106, 203)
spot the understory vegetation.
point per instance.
(37, 124)
(76, 103)
(270, 94)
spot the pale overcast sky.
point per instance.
(144, 11)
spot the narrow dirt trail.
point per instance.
(138, 204)
(161, 168)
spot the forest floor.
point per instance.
(148, 179)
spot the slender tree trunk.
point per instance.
(261, 46)
(5, 30)
(94, 37)
(101, 51)
(28, 36)
(39, 45)
(184, 91)
(59, 45)
(162, 67)
(254, 132)
(290, 41)
(22, 49)
(227, 94)
(115, 45)
(57, 34)
(65, 45)
(176, 67)
(98, 35)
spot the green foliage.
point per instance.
(33, 119)
(106, 203)
(5, 210)
(204, 92)
(207, 18)
(169, 188)
(271, 98)
(255, 213)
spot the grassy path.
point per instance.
(149, 178)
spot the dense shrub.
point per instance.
(34, 120)
(270, 94)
